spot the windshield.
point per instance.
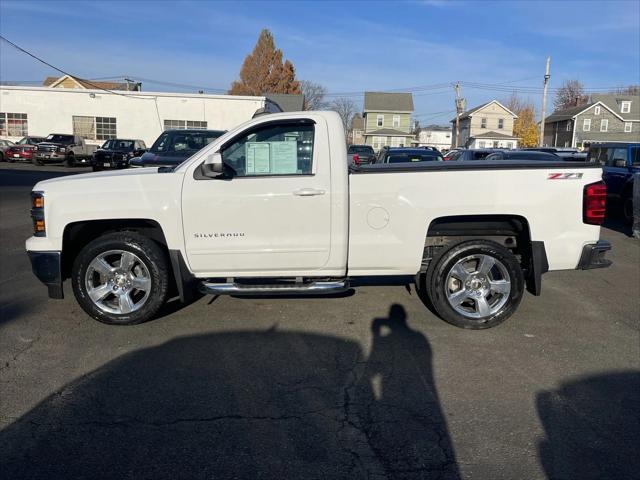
(55, 137)
(29, 140)
(115, 144)
(358, 149)
(179, 142)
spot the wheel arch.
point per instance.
(512, 231)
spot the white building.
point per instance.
(434, 136)
(98, 115)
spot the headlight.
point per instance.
(37, 214)
(62, 149)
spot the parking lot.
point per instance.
(364, 385)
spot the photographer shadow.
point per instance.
(244, 404)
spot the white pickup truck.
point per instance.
(273, 208)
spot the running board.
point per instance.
(311, 288)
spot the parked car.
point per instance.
(471, 154)
(619, 161)
(363, 153)
(116, 153)
(523, 155)
(449, 154)
(570, 154)
(276, 223)
(63, 148)
(4, 146)
(174, 146)
(22, 149)
(408, 155)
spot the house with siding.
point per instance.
(67, 81)
(387, 119)
(605, 118)
(437, 136)
(356, 136)
(489, 125)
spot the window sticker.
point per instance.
(258, 157)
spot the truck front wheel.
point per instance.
(476, 284)
(121, 278)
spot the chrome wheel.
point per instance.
(118, 281)
(478, 286)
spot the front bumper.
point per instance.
(49, 156)
(47, 267)
(593, 256)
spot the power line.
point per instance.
(97, 87)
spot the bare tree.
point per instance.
(570, 94)
(347, 109)
(628, 90)
(415, 126)
(514, 102)
(313, 95)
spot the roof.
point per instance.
(390, 131)
(500, 136)
(436, 128)
(567, 113)
(470, 112)
(388, 102)
(614, 103)
(287, 102)
(357, 123)
(89, 84)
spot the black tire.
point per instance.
(1, 157)
(434, 285)
(36, 161)
(149, 252)
(96, 169)
(70, 160)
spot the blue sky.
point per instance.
(345, 46)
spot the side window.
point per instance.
(616, 155)
(272, 150)
(635, 156)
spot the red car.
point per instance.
(22, 150)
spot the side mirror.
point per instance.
(213, 166)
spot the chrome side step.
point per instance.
(311, 288)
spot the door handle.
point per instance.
(308, 192)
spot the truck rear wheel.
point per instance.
(121, 278)
(476, 284)
(70, 160)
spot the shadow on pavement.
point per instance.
(592, 428)
(28, 178)
(244, 405)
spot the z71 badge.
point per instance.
(565, 176)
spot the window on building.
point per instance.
(379, 142)
(569, 126)
(13, 124)
(105, 128)
(396, 121)
(604, 125)
(481, 144)
(509, 145)
(501, 123)
(184, 124)
(596, 110)
(84, 127)
(628, 127)
(586, 125)
(483, 123)
(625, 107)
(380, 120)
(496, 144)
(94, 128)
(272, 150)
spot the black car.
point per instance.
(570, 154)
(365, 153)
(116, 153)
(409, 155)
(174, 146)
(524, 155)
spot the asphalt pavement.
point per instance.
(364, 385)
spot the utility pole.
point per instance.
(544, 102)
(458, 112)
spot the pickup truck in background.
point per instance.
(173, 147)
(360, 154)
(620, 162)
(62, 148)
(272, 207)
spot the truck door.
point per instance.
(616, 170)
(270, 214)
